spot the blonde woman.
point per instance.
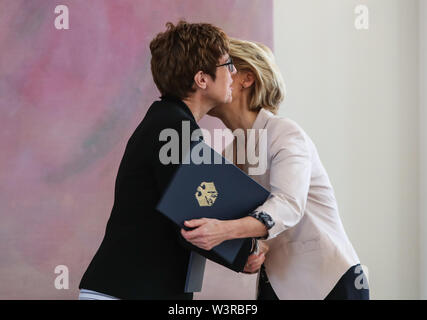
(310, 255)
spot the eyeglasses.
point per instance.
(229, 64)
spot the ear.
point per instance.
(201, 80)
(248, 79)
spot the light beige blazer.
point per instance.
(309, 248)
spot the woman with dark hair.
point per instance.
(142, 255)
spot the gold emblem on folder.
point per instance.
(206, 194)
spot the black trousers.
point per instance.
(351, 286)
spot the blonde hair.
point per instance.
(268, 90)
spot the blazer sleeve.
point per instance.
(163, 174)
(290, 175)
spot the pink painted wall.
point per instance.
(69, 100)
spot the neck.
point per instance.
(198, 106)
(238, 115)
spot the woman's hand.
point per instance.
(255, 261)
(208, 233)
(263, 247)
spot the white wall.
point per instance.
(423, 148)
(355, 92)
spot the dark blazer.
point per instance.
(143, 255)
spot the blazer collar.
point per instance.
(180, 103)
(262, 118)
(259, 123)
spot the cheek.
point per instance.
(232, 79)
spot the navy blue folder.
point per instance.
(195, 272)
(214, 188)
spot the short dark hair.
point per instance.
(181, 51)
